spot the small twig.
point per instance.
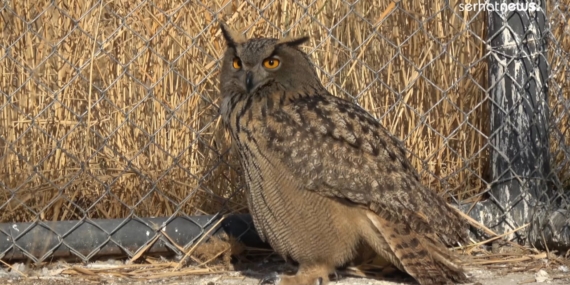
(520, 259)
(385, 13)
(91, 64)
(545, 245)
(14, 269)
(474, 223)
(173, 242)
(181, 263)
(83, 270)
(482, 227)
(497, 237)
(144, 249)
(181, 248)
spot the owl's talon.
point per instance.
(272, 278)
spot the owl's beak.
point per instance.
(249, 81)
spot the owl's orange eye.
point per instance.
(271, 63)
(237, 63)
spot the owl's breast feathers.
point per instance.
(337, 149)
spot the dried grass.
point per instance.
(130, 126)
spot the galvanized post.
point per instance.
(518, 73)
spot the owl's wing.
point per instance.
(337, 149)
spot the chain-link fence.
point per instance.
(109, 112)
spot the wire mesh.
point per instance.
(109, 109)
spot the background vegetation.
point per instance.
(128, 124)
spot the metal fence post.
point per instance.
(518, 73)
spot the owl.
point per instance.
(323, 176)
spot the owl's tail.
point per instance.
(421, 256)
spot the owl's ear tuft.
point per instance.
(292, 42)
(232, 37)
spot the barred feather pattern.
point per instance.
(324, 176)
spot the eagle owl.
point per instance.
(324, 176)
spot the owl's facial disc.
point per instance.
(250, 65)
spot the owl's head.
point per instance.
(253, 65)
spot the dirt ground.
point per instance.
(512, 265)
(479, 276)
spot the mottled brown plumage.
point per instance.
(323, 175)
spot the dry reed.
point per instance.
(129, 125)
